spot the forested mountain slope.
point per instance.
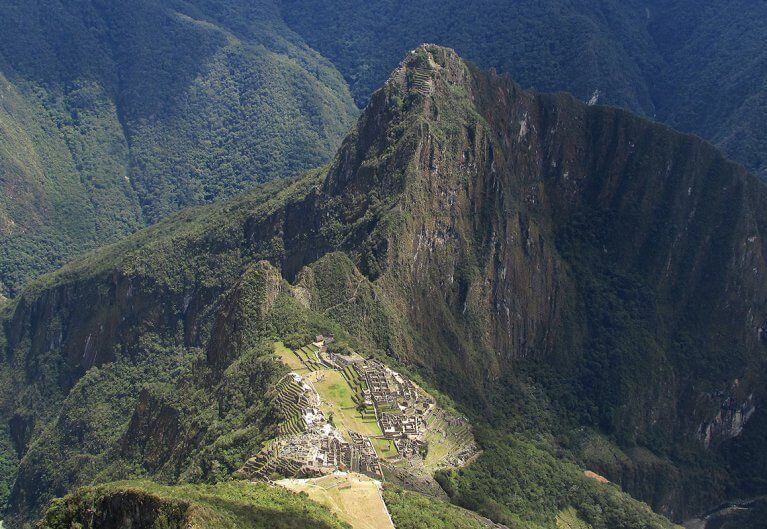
(587, 286)
(701, 67)
(113, 115)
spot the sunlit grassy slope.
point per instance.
(231, 505)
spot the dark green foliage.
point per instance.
(154, 414)
(751, 466)
(631, 347)
(170, 412)
(344, 295)
(522, 295)
(83, 443)
(623, 353)
(229, 420)
(165, 412)
(714, 72)
(522, 484)
(114, 115)
(583, 46)
(8, 463)
(168, 252)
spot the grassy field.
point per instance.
(334, 387)
(384, 448)
(354, 498)
(289, 358)
(337, 399)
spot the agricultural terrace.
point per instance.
(289, 358)
(444, 440)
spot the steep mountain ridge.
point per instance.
(549, 265)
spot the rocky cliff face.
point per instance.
(129, 508)
(532, 233)
(486, 235)
(520, 218)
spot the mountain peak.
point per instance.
(423, 66)
(412, 97)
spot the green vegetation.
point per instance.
(129, 419)
(96, 413)
(384, 448)
(114, 116)
(441, 445)
(216, 399)
(522, 484)
(230, 505)
(516, 296)
(331, 385)
(290, 358)
(569, 519)
(139, 112)
(337, 397)
(542, 44)
(8, 463)
(414, 511)
(164, 251)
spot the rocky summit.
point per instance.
(583, 286)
